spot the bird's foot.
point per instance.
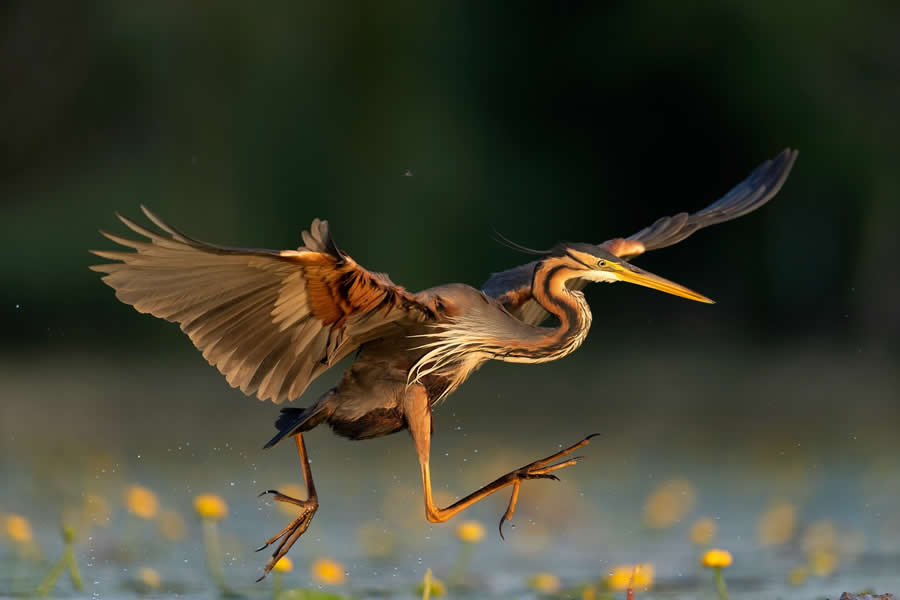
(290, 534)
(540, 469)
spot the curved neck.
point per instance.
(548, 288)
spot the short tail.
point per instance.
(292, 420)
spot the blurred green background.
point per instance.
(576, 121)
(417, 127)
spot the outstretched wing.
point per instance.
(270, 321)
(758, 188)
(513, 286)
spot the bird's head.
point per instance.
(595, 263)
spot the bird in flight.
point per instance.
(272, 321)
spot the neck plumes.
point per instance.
(548, 288)
(484, 330)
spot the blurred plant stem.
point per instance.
(277, 581)
(67, 560)
(213, 553)
(426, 585)
(720, 583)
(461, 567)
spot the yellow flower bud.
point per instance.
(141, 502)
(327, 571)
(18, 528)
(284, 565)
(669, 503)
(776, 525)
(544, 583)
(210, 506)
(470, 532)
(703, 531)
(149, 577)
(640, 576)
(717, 558)
(823, 562)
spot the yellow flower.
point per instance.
(17, 528)
(470, 532)
(669, 503)
(210, 506)
(171, 525)
(703, 531)
(798, 576)
(284, 565)
(544, 583)
(717, 558)
(640, 576)
(776, 525)
(327, 571)
(149, 577)
(823, 562)
(141, 502)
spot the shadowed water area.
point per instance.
(730, 433)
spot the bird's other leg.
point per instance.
(290, 534)
(418, 414)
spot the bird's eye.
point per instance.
(601, 263)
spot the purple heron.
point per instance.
(272, 321)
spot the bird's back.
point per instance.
(368, 400)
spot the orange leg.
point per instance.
(418, 415)
(290, 534)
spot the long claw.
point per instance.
(539, 469)
(292, 532)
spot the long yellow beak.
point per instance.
(632, 274)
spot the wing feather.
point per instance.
(758, 188)
(513, 286)
(270, 321)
